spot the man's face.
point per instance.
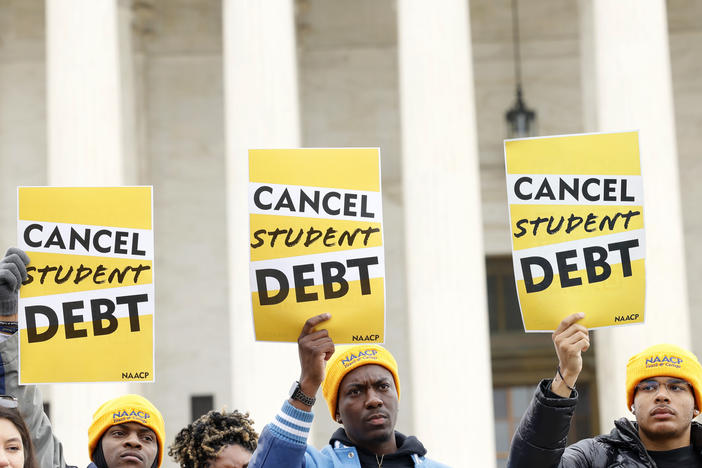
(367, 405)
(129, 445)
(664, 412)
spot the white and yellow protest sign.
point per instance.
(577, 228)
(86, 310)
(316, 242)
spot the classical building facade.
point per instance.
(171, 93)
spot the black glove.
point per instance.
(13, 271)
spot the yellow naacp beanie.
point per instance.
(347, 358)
(664, 360)
(124, 409)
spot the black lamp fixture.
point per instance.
(520, 119)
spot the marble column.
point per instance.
(85, 147)
(261, 111)
(627, 86)
(451, 386)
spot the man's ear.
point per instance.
(337, 417)
(633, 410)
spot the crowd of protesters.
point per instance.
(127, 431)
(361, 387)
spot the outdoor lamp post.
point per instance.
(520, 119)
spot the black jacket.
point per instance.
(540, 439)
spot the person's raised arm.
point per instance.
(540, 437)
(283, 442)
(314, 347)
(49, 451)
(570, 340)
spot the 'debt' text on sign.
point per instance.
(102, 316)
(333, 281)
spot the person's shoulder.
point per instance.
(696, 435)
(329, 456)
(599, 450)
(591, 444)
(624, 432)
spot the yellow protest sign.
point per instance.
(86, 310)
(316, 242)
(577, 228)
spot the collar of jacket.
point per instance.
(405, 445)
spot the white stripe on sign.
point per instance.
(315, 202)
(553, 189)
(82, 239)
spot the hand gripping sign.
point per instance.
(316, 242)
(577, 229)
(86, 310)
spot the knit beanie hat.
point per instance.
(125, 409)
(664, 360)
(347, 358)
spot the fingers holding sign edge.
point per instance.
(309, 333)
(19, 252)
(571, 334)
(568, 321)
(17, 257)
(312, 322)
(314, 348)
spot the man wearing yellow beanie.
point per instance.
(362, 391)
(127, 431)
(663, 391)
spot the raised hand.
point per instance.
(314, 348)
(570, 340)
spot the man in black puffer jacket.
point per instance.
(664, 391)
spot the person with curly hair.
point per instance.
(216, 440)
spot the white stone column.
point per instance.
(84, 92)
(131, 114)
(261, 111)
(627, 86)
(22, 109)
(85, 147)
(451, 387)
